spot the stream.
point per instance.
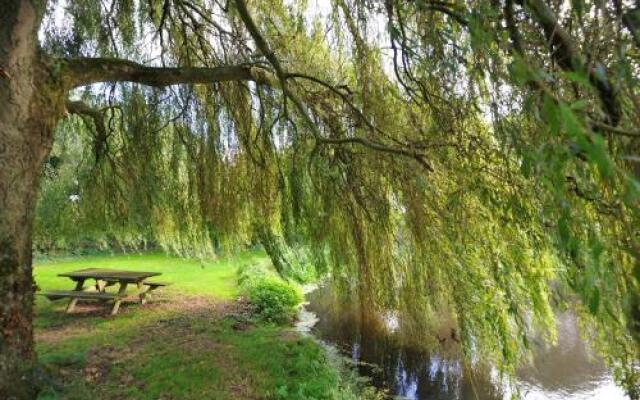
(379, 350)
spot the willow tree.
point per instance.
(460, 156)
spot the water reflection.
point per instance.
(379, 348)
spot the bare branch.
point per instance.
(86, 71)
(614, 129)
(448, 9)
(97, 116)
(416, 155)
(338, 92)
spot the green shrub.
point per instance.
(250, 273)
(273, 299)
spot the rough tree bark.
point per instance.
(25, 140)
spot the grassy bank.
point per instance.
(193, 341)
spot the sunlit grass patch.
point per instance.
(192, 341)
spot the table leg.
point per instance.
(100, 285)
(121, 293)
(79, 284)
(74, 301)
(71, 305)
(142, 293)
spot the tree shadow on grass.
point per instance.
(161, 348)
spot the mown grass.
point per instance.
(193, 342)
(211, 278)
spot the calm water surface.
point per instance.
(375, 345)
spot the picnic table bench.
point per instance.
(103, 279)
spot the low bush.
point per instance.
(273, 299)
(249, 273)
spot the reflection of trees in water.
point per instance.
(420, 375)
(385, 355)
(568, 364)
(424, 361)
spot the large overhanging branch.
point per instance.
(86, 71)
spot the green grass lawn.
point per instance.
(209, 278)
(192, 341)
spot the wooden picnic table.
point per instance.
(104, 278)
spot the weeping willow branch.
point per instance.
(630, 19)
(614, 129)
(86, 71)
(566, 53)
(448, 9)
(263, 46)
(97, 116)
(338, 92)
(416, 155)
(514, 34)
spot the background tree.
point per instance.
(459, 156)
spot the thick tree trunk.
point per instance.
(25, 140)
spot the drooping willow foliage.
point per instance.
(474, 156)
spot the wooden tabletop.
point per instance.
(109, 274)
